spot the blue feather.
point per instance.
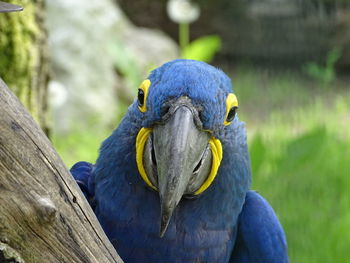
(260, 235)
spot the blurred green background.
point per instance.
(290, 66)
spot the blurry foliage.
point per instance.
(126, 64)
(324, 74)
(203, 48)
(81, 144)
(303, 31)
(300, 157)
(305, 179)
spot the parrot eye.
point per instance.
(142, 94)
(231, 114)
(231, 108)
(141, 97)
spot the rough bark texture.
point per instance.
(23, 56)
(43, 215)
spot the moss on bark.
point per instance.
(23, 58)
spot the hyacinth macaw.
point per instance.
(171, 184)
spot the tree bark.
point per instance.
(24, 59)
(43, 215)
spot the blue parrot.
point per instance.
(171, 184)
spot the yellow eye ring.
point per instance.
(231, 107)
(142, 94)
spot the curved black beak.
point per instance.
(179, 147)
(6, 8)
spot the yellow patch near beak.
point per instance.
(141, 140)
(215, 147)
(216, 150)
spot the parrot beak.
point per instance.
(183, 158)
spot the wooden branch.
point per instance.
(43, 215)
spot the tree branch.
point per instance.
(43, 215)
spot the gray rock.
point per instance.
(81, 35)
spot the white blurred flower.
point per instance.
(183, 11)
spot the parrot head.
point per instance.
(186, 106)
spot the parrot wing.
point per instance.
(83, 173)
(260, 237)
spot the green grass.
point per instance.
(79, 145)
(83, 143)
(299, 140)
(300, 154)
